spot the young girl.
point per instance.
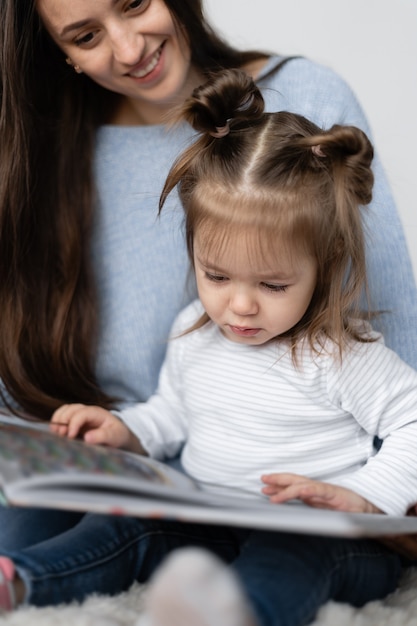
(274, 384)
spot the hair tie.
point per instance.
(221, 131)
(317, 151)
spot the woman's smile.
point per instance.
(146, 68)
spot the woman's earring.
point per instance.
(76, 67)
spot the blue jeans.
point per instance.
(22, 527)
(287, 577)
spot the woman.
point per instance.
(86, 88)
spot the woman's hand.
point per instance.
(283, 487)
(94, 425)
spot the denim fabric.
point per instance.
(106, 554)
(286, 577)
(22, 527)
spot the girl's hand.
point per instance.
(94, 425)
(283, 487)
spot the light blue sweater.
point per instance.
(140, 260)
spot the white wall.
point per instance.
(372, 44)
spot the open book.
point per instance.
(38, 468)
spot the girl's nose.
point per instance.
(243, 302)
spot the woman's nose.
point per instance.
(127, 44)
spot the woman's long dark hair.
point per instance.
(48, 118)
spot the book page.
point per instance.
(35, 456)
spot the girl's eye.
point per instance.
(275, 288)
(216, 278)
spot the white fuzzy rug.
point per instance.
(399, 609)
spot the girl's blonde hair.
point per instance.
(282, 177)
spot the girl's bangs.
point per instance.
(271, 224)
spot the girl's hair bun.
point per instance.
(229, 99)
(351, 154)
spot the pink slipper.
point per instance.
(7, 574)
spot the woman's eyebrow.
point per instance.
(73, 26)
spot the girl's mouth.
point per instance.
(241, 331)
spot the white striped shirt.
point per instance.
(241, 411)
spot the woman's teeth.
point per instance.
(149, 67)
